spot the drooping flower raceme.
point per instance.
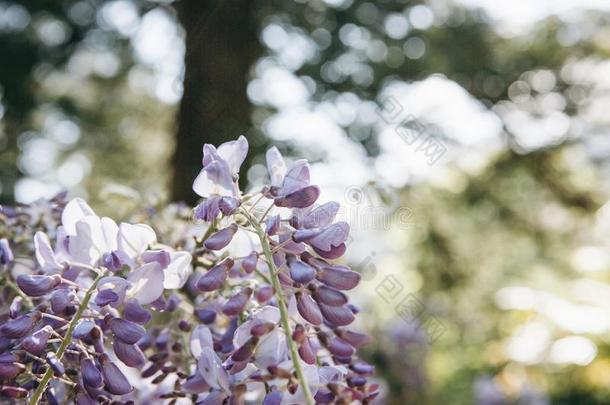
(106, 312)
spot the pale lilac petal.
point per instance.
(215, 179)
(200, 337)
(146, 283)
(44, 254)
(296, 178)
(321, 216)
(117, 284)
(74, 211)
(333, 235)
(178, 270)
(210, 368)
(135, 239)
(271, 350)
(276, 166)
(234, 153)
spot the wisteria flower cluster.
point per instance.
(243, 304)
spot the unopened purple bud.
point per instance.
(206, 316)
(172, 303)
(339, 277)
(340, 347)
(262, 328)
(131, 355)
(337, 316)
(126, 331)
(13, 392)
(302, 235)
(36, 286)
(134, 312)
(10, 370)
(308, 309)
(272, 225)
(56, 365)
(306, 352)
(213, 279)
(264, 293)
(324, 397)
(163, 339)
(300, 272)
(302, 198)
(245, 352)
(92, 377)
(330, 296)
(221, 238)
(249, 262)
(160, 256)
(335, 252)
(105, 297)
(6, 254)
(273, 398)
(228, 205)
(115, 381)
(112, 261)
(356, 339)
(236, 303)
(363, 368)
(51, 397)
(61, 299)
(83, 329)
(20, 326)
(37, 341)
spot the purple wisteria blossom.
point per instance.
(247, 304)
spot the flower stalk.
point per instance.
(66, 340)
(281, 302)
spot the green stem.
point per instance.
(66, 342)
(281, 302)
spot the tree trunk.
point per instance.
(221, 46)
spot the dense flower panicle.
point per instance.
(116, 311)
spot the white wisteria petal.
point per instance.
(117, 284)
(211, 369)
(276, 166)
(200, 337)
(135, 238)
(74, 211)
(271, 349)
(45, 254)
(146, 283)
(234, 153)
(178, 270)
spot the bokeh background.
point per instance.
(468, 140)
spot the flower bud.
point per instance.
(272, 225)
(36, 286)
(249, 262)
(56, 365)
(330, 296)
(160, 256)
(308, 309)
(15, 308)
(245, 352)
(221, 238)
(61, 299)
(126, 331)
(115, 381)
(338, 277)
(236, 303)
(205, 315)
(134, 312)
(131, 355)
(92, 377)
(213, 279)
(13, 392)
(20, 326)
(340, 347)
(228, 205)
(262, 328)
(10, 370)
(37, 342)
(306, 352)
(302, 198)
(112, 261)
(264, 293)
(337, 316)
(105, 297)
(300, 272)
